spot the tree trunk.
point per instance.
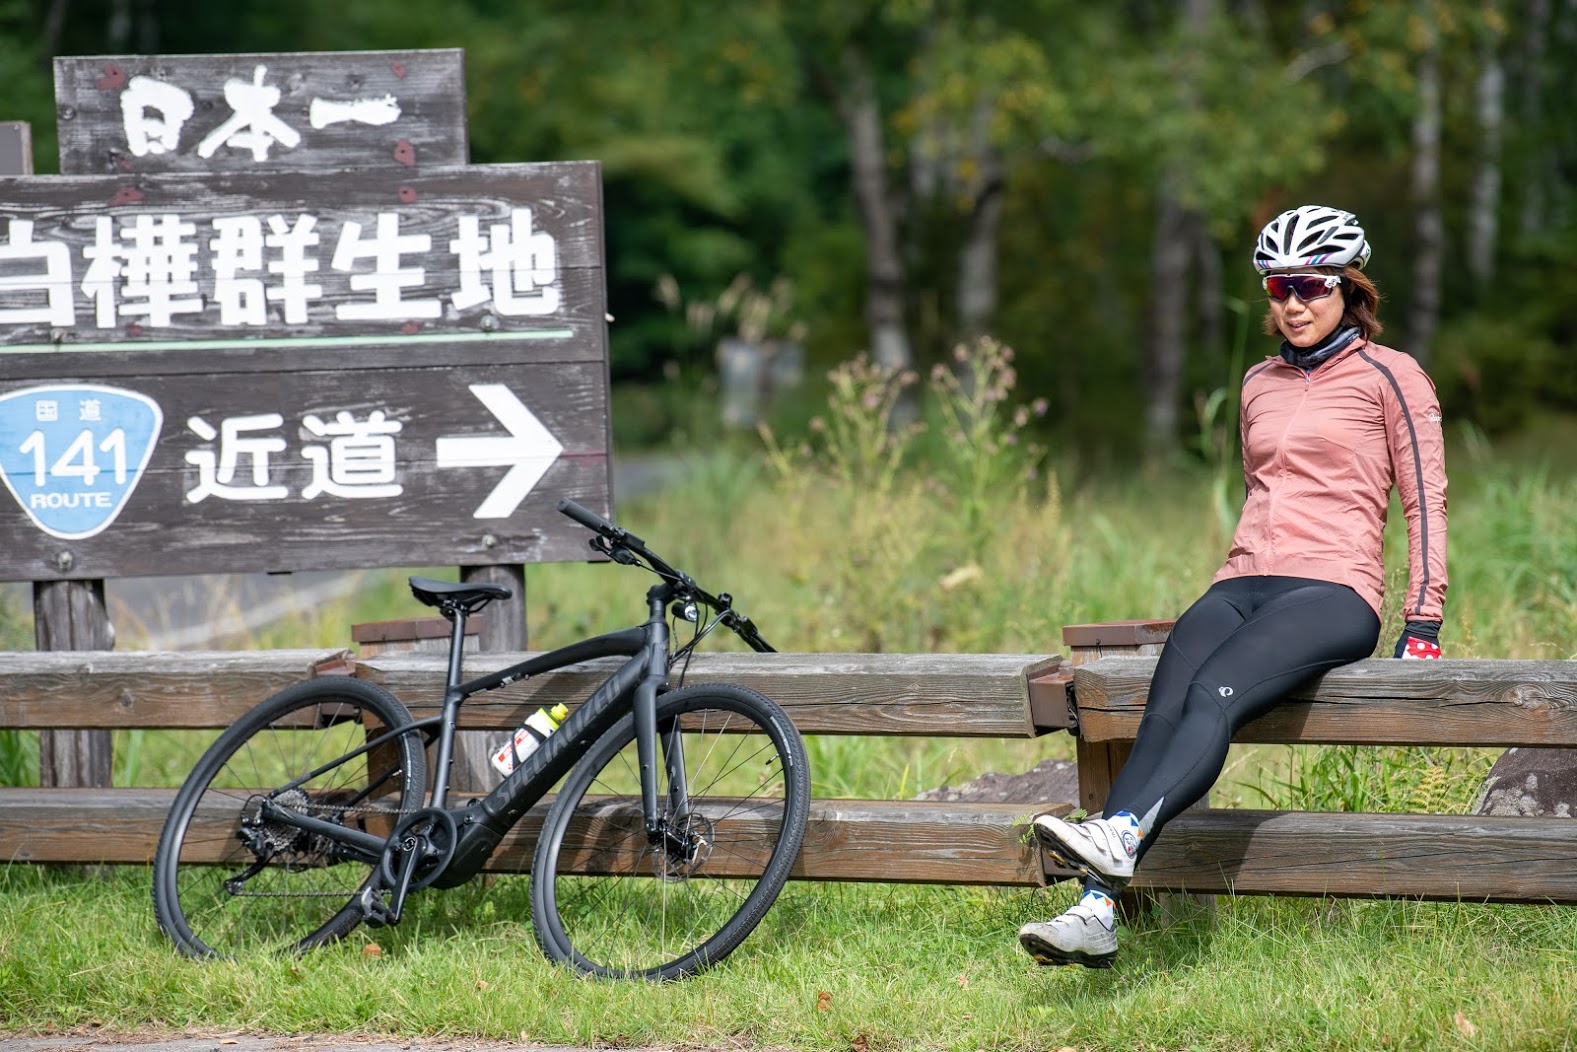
(1169, 255)
(1484, 204)
(1429, 228)
(54, 25)
(1212, 312)
(977, 258)
(118, 31)
(1536, 21)
(1171, 249)
(860, 111)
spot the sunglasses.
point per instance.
(1307, 286)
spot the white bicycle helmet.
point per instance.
(1311, 236)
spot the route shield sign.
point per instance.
(71, 454)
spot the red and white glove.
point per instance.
(1420, 641)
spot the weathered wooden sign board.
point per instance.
(270, 372)
(490, 248)
(275, 112)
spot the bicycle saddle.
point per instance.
(470, 597)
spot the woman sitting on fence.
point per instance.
(1329, 426)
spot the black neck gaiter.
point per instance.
(1309, 359)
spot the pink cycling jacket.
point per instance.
(1321, 452)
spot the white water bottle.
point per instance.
(527, 737)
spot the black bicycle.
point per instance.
(680, 813)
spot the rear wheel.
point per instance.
(226, 880)
(734, 796)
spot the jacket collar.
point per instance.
(1331, 347)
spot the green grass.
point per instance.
(832, 967)
(876, 538)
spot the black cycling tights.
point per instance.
(1241, 648)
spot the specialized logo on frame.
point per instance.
(71, 454)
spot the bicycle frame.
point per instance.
(481, 823)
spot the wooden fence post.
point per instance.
(505, 629)
(67, 615)
(71, 615)
(1100, 761)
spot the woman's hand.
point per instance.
(1419, 640)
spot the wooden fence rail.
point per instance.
(969, 695)
(1376, 702)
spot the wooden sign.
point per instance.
(476, 250)
(274, 112)
(281, 465)
(246, 373)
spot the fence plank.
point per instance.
(948, 695)
(951, 695)
(1372, 702)
(859, 840)
(1446, 857)
(82, 689)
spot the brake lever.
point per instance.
(618, 553)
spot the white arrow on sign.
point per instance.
(530, 449)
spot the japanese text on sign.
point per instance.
(147, 268)
(154, 112)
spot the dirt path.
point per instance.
(99, 1041)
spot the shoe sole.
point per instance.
(1051, 956)
(1060, 852)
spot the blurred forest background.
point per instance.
(1080, 181)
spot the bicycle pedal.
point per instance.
(374, 913)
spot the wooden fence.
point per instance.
(1375, 702)
(989, 695)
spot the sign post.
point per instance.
(67, 614)
(273, 322)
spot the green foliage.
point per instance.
(946, 503)
(724, 152)
(1495, 371)
(18, 757)
(1400, 779)
(18, 749)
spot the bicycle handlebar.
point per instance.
(594, 522)
(618, 537)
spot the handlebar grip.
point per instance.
(586, 517)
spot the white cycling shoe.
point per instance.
(1096, 847)
(1078, 936)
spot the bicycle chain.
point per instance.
(314, 807)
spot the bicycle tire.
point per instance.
(300, 894)
(610, 904)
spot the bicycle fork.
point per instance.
(666, 828)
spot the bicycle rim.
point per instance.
(227, 883)
(608, 901)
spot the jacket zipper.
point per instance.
(1281, 460)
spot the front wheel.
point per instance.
(734, 796)
(227, 879)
